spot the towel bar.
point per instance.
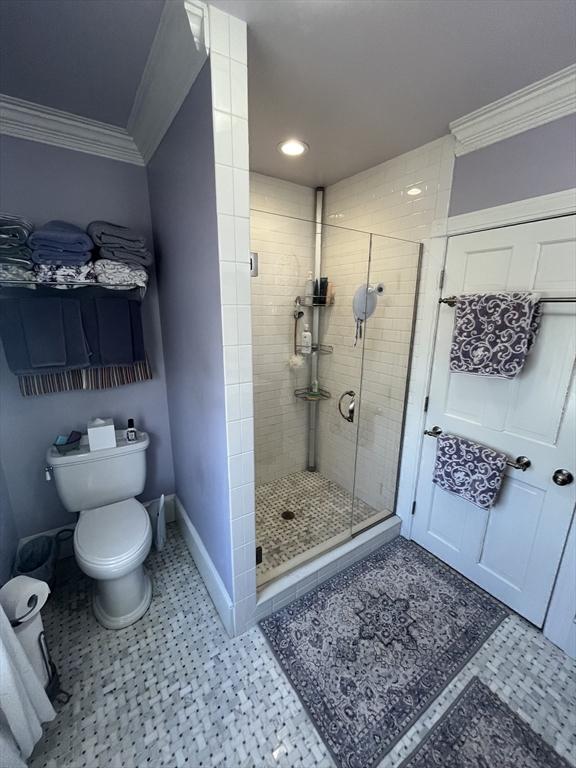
(521, 462)
(451, 300)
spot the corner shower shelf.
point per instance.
(306, 394)
(323, 349)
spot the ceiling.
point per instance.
(360, 80)
(365, 80)
(81, 56)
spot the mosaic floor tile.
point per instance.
(321, 509)
(174, 690)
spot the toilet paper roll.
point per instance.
(18, 596)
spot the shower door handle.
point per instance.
(351, 405)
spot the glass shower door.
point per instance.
(388, 336)
(345, 261)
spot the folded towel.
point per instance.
(136, 258)
(108, 234)
(19, 257)
(468, 469)
(61, 235)
(11, 273)
(55, 256)
(493, 333)
(115, 274)
(51, 273)
(14, 230)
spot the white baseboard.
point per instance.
(203, 561)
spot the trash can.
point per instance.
(37, 559)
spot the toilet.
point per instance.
(113, 535)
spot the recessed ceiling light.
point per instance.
(293, 147)
(414, 191)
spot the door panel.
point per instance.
(514, 549)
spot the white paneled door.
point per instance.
(513, 550)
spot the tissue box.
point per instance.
(101, 434)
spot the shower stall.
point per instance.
(328, 417)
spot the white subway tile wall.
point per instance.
(228, 66)
(285, 250)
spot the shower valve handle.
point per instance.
(351, 405)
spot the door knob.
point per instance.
(563, 477)
(351, 405)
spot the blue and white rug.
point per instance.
(481, 730)
(370, 649)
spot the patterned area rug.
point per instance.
(370, 649)
(480, 730)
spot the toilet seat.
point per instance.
(112, 540)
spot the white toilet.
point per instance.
(113, 534)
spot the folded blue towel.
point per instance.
(493, 333)
(469, 470)
(61, 234)
(59, 256)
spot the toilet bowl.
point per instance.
(113, 535)
(110, 546)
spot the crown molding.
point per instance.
(35, 122)
(179, 50)
(537, 104)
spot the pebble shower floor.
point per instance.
(175, 690)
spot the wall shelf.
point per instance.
(306, 394)
(323, 349)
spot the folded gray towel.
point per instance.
(14, 230)
(493, 333)
(104, 233)
(138, 258)
(468, 469)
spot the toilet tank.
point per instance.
(87, 479)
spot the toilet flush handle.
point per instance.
(48, 472)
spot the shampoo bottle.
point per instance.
(306, 347)
(309, 290)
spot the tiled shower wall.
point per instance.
(376, 200)
(285, 248)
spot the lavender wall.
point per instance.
(42, 183)
(8, 533)
(536, 162)
(183, 201)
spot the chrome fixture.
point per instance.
(521, 462)
(563, 477)
(452, 300)
(349, 416)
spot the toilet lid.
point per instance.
(113, 533)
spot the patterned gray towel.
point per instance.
(468, 469)
(493, 333)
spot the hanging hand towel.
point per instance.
(493, 333)
(468, 469)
